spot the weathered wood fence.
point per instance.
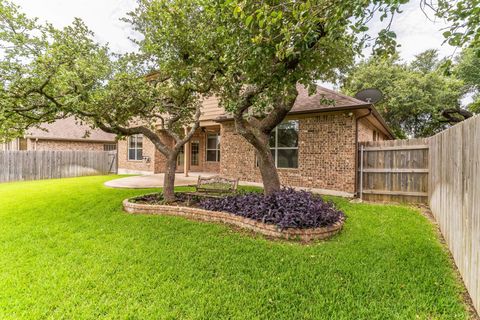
(35, 165)
(395, 170)
(454, 197)
(443, 171)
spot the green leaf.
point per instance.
(248, 20)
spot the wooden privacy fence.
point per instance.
(395, 170)
(35, 165)
(454, 197)
(443, 171)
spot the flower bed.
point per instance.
(287, 214)
(287, 208)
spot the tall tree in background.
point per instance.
(468, 69)
(415, 95)
(259, 51)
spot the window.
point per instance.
(109, 147)
(135, 147)
(284, 144)
(194, 151)
(213, 147)
(181, 157)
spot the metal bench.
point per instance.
(213, 187)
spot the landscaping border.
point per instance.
(228, 218)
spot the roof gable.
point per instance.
(316, 101)
(69, 129)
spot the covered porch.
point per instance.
(202, 152)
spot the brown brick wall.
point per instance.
(200, 136)
(365, 131)
(326, 157)
(203, 164)
(62, 145)
(130, 166)
(158, 160)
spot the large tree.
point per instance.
(468, 69)
(418, 96)
(462, 17)
(259, 51)
(48, 74)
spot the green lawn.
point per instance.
(68, 251)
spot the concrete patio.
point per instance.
(156, 181)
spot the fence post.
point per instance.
(361, 173)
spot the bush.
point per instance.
(286, 208)
(157, 198)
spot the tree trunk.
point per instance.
(257, 132)
(268, 170)
(169, 178)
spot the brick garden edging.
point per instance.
(228, 218)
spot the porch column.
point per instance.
(186, 156)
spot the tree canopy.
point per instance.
(468, 69)
(416, 94)
(462, 17)
(49, 73)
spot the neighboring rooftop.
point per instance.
(69, 129)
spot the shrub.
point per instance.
(286, 208)
(157, 198)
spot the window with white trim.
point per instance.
(135, 147)
(213, 147)
(194, 152)
(284, 144)
(109, 147)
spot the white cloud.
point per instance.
(414, 31)
(102, 16)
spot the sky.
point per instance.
(415, 32)
(101, 16)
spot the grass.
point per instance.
(67, 251)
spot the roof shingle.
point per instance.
(69, 129)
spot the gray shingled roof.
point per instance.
(306, 103)
(69, 129)
(323, 99)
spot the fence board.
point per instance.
(36, 165)
(454, 197)
(395, 170)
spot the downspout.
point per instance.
(356, 147)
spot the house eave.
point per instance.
(332, 109)
(69, 139)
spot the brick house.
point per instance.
(65, 135)
(315, 147)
